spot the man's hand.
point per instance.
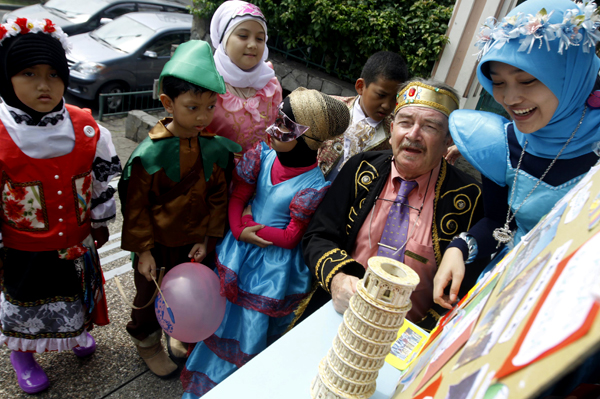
(452, 269)
(147, 265)
(343, 286)
(100, 235)
(249, 235)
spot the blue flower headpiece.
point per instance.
(578, 28)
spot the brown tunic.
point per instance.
(187, 219)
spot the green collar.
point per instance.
(159, 154)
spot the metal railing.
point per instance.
(111, 104)
(305, 55)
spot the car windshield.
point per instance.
(77, 10)
(123, 34)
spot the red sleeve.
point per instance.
(242, 192)
(245, 175)
(287, 238)
(247, 221)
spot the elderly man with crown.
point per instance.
(407, 203)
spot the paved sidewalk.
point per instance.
(115, 371)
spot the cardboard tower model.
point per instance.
(370, 326)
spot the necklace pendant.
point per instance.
(503, 235)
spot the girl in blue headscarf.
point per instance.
(539, 63)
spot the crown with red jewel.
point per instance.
(424, 95)
(23, 26)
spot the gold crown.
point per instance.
(417, 93)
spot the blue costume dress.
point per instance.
(483, 139)
(493, 145)
(263, 286)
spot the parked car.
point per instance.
(79, 16)
(124, 55)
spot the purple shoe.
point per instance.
(83, 351)
(31, 376)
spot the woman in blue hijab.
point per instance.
(539, 63)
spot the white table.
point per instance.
(286, 369)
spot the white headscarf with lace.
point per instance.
(227, 17)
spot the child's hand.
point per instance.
(100, 235)
(147, 265)
(247, 211)
(249, 235)
(452, 154)
(198, 251)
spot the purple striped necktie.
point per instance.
(395, 233)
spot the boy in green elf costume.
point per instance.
(174, 190)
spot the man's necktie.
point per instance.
(395, 233)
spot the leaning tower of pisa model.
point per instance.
(370, 326)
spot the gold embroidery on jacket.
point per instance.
(334, 271)
(464, 205)
(339, 262)
(322, 260)
(365, 175)
(434, 230)
(449, 225)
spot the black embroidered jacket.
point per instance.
(333, 229)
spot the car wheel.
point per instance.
(113, 103)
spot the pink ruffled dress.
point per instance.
(245, 120)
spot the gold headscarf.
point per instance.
(326, 116)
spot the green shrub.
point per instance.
(342, 34)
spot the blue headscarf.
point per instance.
(570, 76)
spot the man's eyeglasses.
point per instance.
(414, 208)
(394, 202)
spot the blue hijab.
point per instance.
(570, 76)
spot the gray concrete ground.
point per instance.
(115, 371)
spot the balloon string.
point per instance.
(150, 302)
(164, 299)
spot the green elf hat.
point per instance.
(193, 62)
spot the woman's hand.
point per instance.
(249, 236)
(452, 269)
(147, 265)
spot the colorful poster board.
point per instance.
(538, 322)
(408, 344)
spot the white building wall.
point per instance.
(456, 66)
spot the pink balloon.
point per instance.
(197, 308)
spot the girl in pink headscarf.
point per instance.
(238, 32)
